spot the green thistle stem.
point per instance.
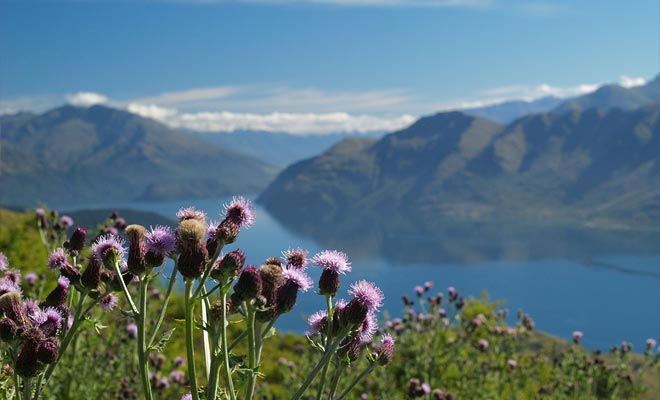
(252, 353)
(329, 352)
(189, 340)
(163, 310)
(225, 348)
(324, 373)
(143, 353)
(364, 373)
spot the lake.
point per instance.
(608, 292)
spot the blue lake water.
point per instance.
(611, 299)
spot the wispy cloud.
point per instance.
(268, 98)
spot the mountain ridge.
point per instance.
(99, 153)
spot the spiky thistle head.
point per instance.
(333, 260)
(109, 249)
(191, 213)
(296, 258)
(240, 211)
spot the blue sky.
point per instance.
(267, 62)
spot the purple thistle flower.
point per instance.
(483, 344)
(31, 278)
(164, 382)
(369, 327)
(177, 376)
(512, 363)
(69, 322)
(160, 240)
(212, 230)
(419, 291)
(333, 260)
(107, 244)
(191, 213)
(577, 336)
(426, 388)
(37, 316)
(386, 351)
(179, 361)
(187, 396)
(650, 343)
(317, 321)
(77, 240)
(341, 304)
(132, 330)
(240, 211)
(66, 221)
(9, 285)
(297, 258)
(109, 302)
(40, 212)
(367, 294)
(58, 296)
(298, 277)
(4, 263)
(57, 259)
(53, 320)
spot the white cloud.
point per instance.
(628, 82)
(151, 111)
(191, 95)
(294, 123)
(86, 99)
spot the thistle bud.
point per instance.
(8, 330)
(385, 353)
(71, 273)
(58, 295)
(41, 218)
(227, 232)
(287, 294)
(249, 284)
(48, 351)
(12, 305)
(137, 249)
(190, 234)
(329, 282)
(354, 313)
(27, 363)
(192, 260)
(229, 266)
(77, 240)
(271, 279)
(91, 277)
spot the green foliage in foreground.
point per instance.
(444, 347)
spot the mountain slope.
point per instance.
(592, 167)
(614, 96)
(73, 154)
(511, 110)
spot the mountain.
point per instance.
(511, 110)
(614, 96)
(73, 154)
(591, 168)
(279, 149)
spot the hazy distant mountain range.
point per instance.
(475, 165)
(73, 154)
(277, 148)
(589, 165)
